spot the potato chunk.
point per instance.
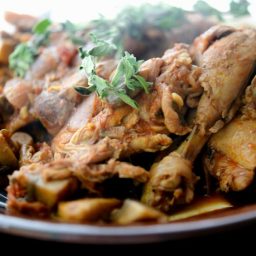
(202, 206)
(50, 193)
(133, 211)
(89, 209)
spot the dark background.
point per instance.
(230, 239)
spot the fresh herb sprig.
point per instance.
(134, 21)
(25, 53)
(239, 8)
(207, 10)
(124, 82)
(73, 30)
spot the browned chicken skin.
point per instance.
(227, 65)
(109, 131)
(231, 154)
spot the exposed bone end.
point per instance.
(172, 182)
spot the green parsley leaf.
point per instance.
(239, 8)
(128, 100)
(82, 53)
(125, 79)
(118, 75)
(21, 59)
(42, 26)
(72, 31)
(69, 26)
(24, 54)
(102, 48)
(102, 86)
(126, 68)
(88, 64)
(83, 90)
(144, 84)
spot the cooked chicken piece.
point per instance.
(17, 91)
(19, 94)
(29, 184)
(91, 176)
(178, 88)
(171, 182)
(107, 131)
(52, 110)
(25, 96)
(231, 175)
(54, 107)
(52, 72)
(231, 154)
(151, 68)
(227, 63)
(249, 101)
(30, 154)
(218, 99)
(202, 42)
(51, 103)
(55, 181)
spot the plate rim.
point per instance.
(85, 233)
